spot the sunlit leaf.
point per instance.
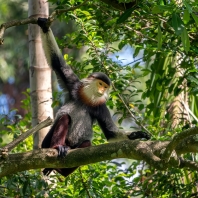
(186, 17)
(161, 8)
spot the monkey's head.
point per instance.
(95, 89)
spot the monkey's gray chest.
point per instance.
(80, 128)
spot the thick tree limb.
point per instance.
(148, 151)
(48, 157)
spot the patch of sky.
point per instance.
(125, 56)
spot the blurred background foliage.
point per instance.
(150, 53)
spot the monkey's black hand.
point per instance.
(62, 150)
(139, 135)
(44, 24)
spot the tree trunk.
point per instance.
(179, 106)
(40, 73)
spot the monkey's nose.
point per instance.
(101, 90)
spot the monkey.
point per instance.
(73, 123)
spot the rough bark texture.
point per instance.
(149, 151)
(40, 73)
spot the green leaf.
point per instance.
(156, 10)
(161, 8)
(193, 79)
(195, 49)
(186, 16)
(159, 86)
(185, 40)
(177, 24)
(125, 15)
(194, 90)
(122, 44)
(195, 18)
(170, 88)
(145, 71)
(159, 38)
(136, 52)
(141, 107)
(177, 91)
(189, 8)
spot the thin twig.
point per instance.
(33, 20)
(60, 11)
(132, 115)
(23, 136)
(177, 139)
(9, 24)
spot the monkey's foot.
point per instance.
(62, 150)
(139, 135)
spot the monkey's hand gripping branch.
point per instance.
(138, 135)
(120, 134)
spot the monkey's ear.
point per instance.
(44, 24)
(139, 135)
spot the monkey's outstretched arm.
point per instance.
(111, 131)
(65, 75)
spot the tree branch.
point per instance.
(60, 11)
(4, 151)
(148, 151)
(23, 136)
(177, 139)
(42, 158)
(33, 20)
(9, 24)
(189, 164)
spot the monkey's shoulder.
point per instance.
(73, 109)
(79, 110)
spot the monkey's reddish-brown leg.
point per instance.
(67, 171)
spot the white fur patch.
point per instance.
(91, 94)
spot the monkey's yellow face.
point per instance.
(102, 87)
(94, 91)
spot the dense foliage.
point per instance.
(158, 87)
